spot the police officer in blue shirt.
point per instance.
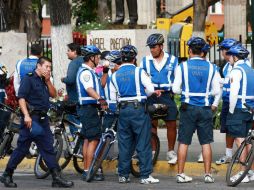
(26, 65)
(196, 80)
(114, 59)
(224, 46)
(161, 67)
(239, 119)
(89, 94)
(134, 126)
(34, 93)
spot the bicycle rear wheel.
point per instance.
(5, 145)
(239, 167)
(40, 168)
(155, 141)
(97, 161)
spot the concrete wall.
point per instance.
(14, 48)
(115, 39)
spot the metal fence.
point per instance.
(173, 47)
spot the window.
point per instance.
(216, 8)
(45, 11)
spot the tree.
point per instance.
(61, 35)
(24, 16)
(200, 13)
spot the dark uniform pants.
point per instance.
(132, 7)
(134, 131)
(44, 144)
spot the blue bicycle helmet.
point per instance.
(114, 56)
(206, 48)
(196, 42)
(90, 50)
(155, 39)
(227, 43)
(239, 51)
(128, 52)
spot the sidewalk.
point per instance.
(162, 167)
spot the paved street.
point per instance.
(27, 181)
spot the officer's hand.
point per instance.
(103, 103)
(214, 108)
(46, 75)
(158, 92)
(28, 121)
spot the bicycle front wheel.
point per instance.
(155, 141)
(97, 161)
(239, 167)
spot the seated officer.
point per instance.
(35, 90)
(134, 125)
(89, 95)
(239, 120)
(196, 80)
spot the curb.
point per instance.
(161, 167)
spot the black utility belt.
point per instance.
(40, 113)
(89, 106)
(136, 104)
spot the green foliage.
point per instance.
(85, 11)
(90, 26)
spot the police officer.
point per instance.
(224, 46)
(134, 126)
(196, 80)
(161, 67)
(239, 120)
(89, 91)
(34, 92)
(114, 59)
(26, 65)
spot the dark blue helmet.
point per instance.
(206, 48)
(227, 43)
(155, 39)
(128, 52)
(196, 42)
(90, 50)
(114, 56)
(239, 51)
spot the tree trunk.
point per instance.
(199, 16)
(103, 11)
(31, 21)
(61, 35)
(200, 12)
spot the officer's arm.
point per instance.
(235, 78)
(92, 93)
(16, 80)
(51, 89)
(104, 79)
(146, 81)
(177, 84)
(217, 88)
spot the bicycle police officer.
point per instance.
(161, 67)
(196, 80)
(26, 65)
(34, 92)
(89, 94)
(239, 119)
(134, 125)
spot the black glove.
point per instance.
(102, 102)
(105, 69)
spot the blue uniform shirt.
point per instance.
(34, 90)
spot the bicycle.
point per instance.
(237, 163)
(73, 149)
(11, 128)
(108, 139)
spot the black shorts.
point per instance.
(91, 123)
(239, 123)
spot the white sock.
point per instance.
(229, 152)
